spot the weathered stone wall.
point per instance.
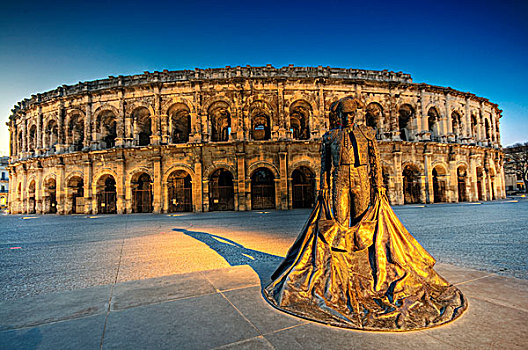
(437, 144)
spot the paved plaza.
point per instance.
(194, 280)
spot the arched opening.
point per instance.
(220, 121)
(76, 132)
(31, 197)
(106, 195)
(461, 176)
(180, 123)
(405, 116)
(20, 145)
(374, 116)
(456, 124)
(260, 121)
(52, 135)
(474, 126)
(221, 191)
(303, 188)
(76, 189)
(300, 112)
(411, 185)
(179, 187)
(141, 117)
(439, 185)
(50, 198)
(492, 184)
(480, 181)
(432, 122)
(107, 129)
(487, 129)
(262, 189)
(32, 139)
(141, 193)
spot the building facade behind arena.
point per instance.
(4, 182)
(241, 138)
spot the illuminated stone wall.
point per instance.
(241, 138)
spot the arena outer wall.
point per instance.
(241, 138)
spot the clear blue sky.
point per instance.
(475, 46)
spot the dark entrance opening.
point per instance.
(303, 186)
(411, 185)
(76, 185)
(439, 188)
(51, 197)
(107, 196)
(262, 189)
(461, 172)
(142, 194)
(479, 184)
(221, 192)
(31, 199)
(179, 191)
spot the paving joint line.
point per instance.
(475, 279)
(112, 290)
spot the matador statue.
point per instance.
(354, 264)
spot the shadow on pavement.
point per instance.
(235, 254)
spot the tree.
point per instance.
(516, 161)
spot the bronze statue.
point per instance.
(354, 264)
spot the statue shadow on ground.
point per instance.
(235, 254)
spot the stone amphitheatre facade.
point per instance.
(241, 138)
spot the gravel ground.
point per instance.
(45, 254)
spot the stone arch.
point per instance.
(134, 173)
(474, 122)
(412, 186)
(221, 190)
(433, 120)
(179, 118)
(173, 168)
(105, 188)
(75, 129)
(51, 134)
(218, 165)
(457, 124)
(406, 116)
(374, 117)
(261, 117)
(179, 191)
(300, 113)
(440, 180)
(32, 138)
(219, 117)
(307, 163)
(31, 194)
(106, 126)
(49, 186)
(141, 188)
(142, 119)
(263, 189)
(261, 164)
(462, 178)
(168, 103)
(303, 187)
(75, 193)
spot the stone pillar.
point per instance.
(120, 122)
(241, 176)
(88, 123)
(60, 189)
(472, 178)
(39, 146)
(157, 200)
(197, 186)
(155, 138)
(282, 118)
(205, 197)
(90, 200)
(121, 185)
(428, 188)
(398, 183)
(282, 194)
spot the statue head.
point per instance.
(346, 110)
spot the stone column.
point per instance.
(428, 188)
(283, 183)
(88, 123)
(241, 177)
(198, 189)
(120, 122)
(155, 138)
(398, 183)
(60, 189)
(472, 178)
(121, 185)
(90, 200)
(40, 131)
(157, 200)
(283, 120)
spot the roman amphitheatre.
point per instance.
(241, 138)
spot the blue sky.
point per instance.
(475, 46)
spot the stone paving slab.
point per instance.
(196, 323)
(81, 333)
(47, 308)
